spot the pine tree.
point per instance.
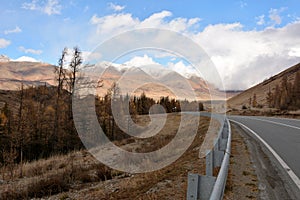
(270, 98)
(296, 91)
(277, 97)
(254, 101)
(284, 98)
(250, 102)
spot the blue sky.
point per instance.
(239, 36)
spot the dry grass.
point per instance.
(54, 175)
(242, 181)
(167, 183)
(79, 176)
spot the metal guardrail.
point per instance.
(207, 186)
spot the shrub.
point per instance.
(244, 107)
(48, 186)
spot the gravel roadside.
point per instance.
(242, 181)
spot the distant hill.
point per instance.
(155, 83)
(261, 89)
(30, 73)
(156, 86)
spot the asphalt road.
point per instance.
(282, 135)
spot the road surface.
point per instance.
(282, 136)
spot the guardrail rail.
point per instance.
(207, 186)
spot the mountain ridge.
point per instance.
(13, 73)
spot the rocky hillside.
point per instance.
(261, 90)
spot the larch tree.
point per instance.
(254, 101)
(74, 68)
(296, 90)
(270, 98)
(60, 73)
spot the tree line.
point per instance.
(136, 105)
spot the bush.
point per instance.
(48, 186)
(103, 172)
(244, 107)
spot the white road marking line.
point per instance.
(278, 123)
(281, 118)
(290, 172)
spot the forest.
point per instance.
(39, 123)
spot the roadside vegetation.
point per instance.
(41, 152)
(282, 100)
(78, 175)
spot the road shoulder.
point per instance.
(242, 181)
(272, 182)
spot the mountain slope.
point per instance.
(30, 73)
(261, 89)
(131, 80)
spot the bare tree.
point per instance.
(74, 68)
(60, 72)
(20, 127)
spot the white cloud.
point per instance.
(49, 7)
(259, 53)
(155, 20)
(31, 51)
(139, 61)
(294, 52)
(116, 7)
(274, 15)
(260, 20)
(155, 69)
(31, 6)
(86, 8)
(236, 52)
(15, 30)
(87, 56)
(181, 68)
(52, 7)
(4, 43)
(243, 4)
(117, 23)
(26, 59)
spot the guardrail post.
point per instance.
(200, 187)
(193, 182)
(209, 163)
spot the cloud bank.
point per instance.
(242, 57)
(31, 51)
